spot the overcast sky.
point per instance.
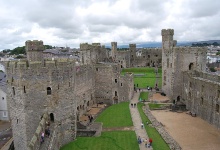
(71, 22)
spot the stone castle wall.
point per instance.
(201, 94)
(28, 87)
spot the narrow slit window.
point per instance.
(13, 89)
(24, 90)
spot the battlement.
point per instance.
(24, 64)
(132, 45)
(86, 46)
(114, 44)
(34, 45)
(96, 44)
(191, 49)
(167, 32)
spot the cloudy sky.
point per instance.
(70, 22)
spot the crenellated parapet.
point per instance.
(33, 68)
(167, 32)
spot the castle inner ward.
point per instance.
(62, 90)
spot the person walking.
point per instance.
(142, 126)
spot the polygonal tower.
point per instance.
(167, 58)
(114, 50)
(34, 50)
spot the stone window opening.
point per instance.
(24, 90)
(49, 91)
(116, 93)
(218, 93)
(69, 84)
(121, 84)
(217, 108)
(190, 66)
(97, 69)
(202, 100)
(167, 62)
(51, 117)
(3, 98)
(121, 66)
(13, 89)
(148, 56)
(17, 121)
(58, 87)
(116, 80)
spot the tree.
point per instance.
(48, 46)
(218, 53)
(212, 69)
(215, 44)
(18, 50)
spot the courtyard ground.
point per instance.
(192, 133)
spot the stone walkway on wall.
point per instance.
(137, 122)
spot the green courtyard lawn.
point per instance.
(155, 106)
(143, 96)
(117, 115)
(158, 142)
(113, 140)
(143, 76)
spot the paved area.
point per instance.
(137, 122)
(192, 133)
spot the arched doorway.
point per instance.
(178, 98)
(51, 117)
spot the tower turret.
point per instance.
(114, 49)
(34, 50)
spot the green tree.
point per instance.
(18, 50)
(212, 69)
(218, 53)
(48, 46)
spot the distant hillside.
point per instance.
(208, 42)
(149, 45)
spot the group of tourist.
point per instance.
(90, 118)
(147, 142)
(45, 133)
(133, 105)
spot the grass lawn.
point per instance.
(114, 140)
(153, 106)
(158, 142)
(144, 96)
(117, 115)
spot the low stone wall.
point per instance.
(35, 141)
(159, 127)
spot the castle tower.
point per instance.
(34, 50)
(167, 60)
(175, 61)
(114, 50)
(39, 92)
(132, 48)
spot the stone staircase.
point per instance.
(47, 140)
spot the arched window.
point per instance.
(191, 66)
(48, 90)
